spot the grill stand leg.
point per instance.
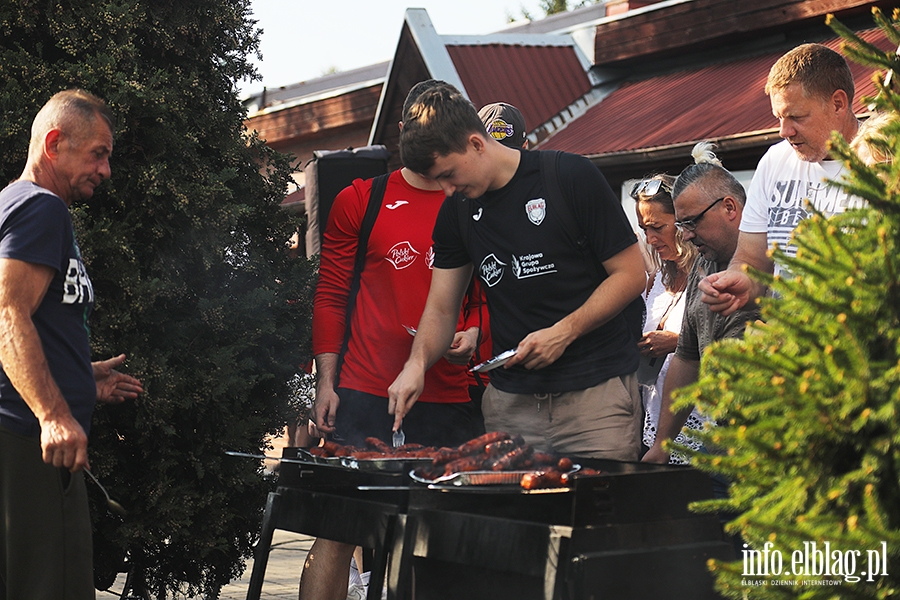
(399, 571)
(263, 546)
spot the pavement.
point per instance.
(281, 581)
(282, 577)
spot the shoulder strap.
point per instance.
(550, 176)
(376, 196)
(635, 312)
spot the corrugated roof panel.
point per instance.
(539, 80)
(712, 102)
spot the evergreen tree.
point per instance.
(807, 403)
(186, 248)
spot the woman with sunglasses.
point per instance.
(671, 259)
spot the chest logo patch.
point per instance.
(429, 257)
(536, 210)
(401, 255)
(491, 270)
(396, 204)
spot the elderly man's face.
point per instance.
(83, 161)
(805, 121)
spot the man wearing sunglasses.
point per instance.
(811, 91)
(709, 204)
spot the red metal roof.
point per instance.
(716, 101)
(538, 80)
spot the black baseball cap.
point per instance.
(504, 123)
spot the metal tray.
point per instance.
(387, 464)
(391, 465)
(478, 478)
(334, 461)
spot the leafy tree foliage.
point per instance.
(186, 247)
(808, 402)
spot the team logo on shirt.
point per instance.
(536, 210)
(491, 270)
(77, 288)
(429, 257)
(401, 255)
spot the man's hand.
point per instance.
(463, 346)
(113, 386)
(656, 455)
(64, 443)
(726, 292)
(325, 411)
(542, 347)
(403, 393)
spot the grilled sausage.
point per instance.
(463, 465)
(497, 449)
(542, 479)
(445, 455)
(511, 460)
(375, 444)
(330, 448)
(478, 444)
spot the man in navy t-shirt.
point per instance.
(48, 384)
(571, 386)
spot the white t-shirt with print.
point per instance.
(776, 200)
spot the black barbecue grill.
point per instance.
(621, 535)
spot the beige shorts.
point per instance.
(604, 421)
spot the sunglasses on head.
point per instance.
(649, 187)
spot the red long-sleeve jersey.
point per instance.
(392, 291)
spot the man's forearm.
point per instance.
(681, 373)
(326, 369)
(24, 362)
(440, 316)
(433, 339)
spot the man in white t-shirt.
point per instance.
(811, 91)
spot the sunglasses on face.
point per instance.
(691, 224)
(649, 187)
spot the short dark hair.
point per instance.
(438, 123)
(416, 90)
(818, 69)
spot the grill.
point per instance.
(622, 535)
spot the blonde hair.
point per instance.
(818, 69)
(871, 144)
